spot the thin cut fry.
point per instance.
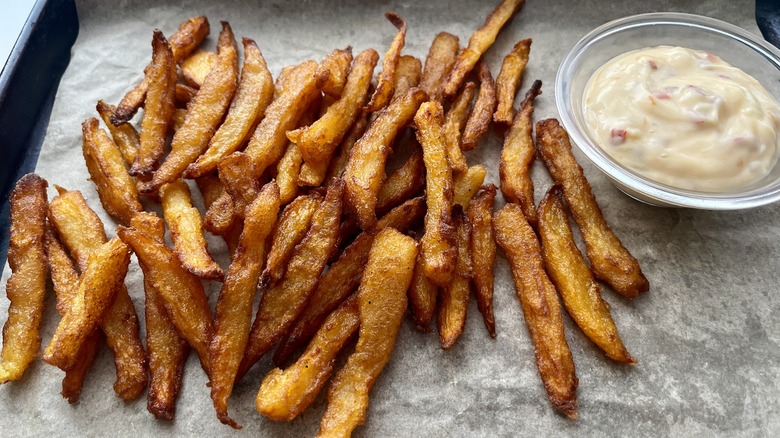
(453, 127)
(482, 113)
(291, 229)
(235, 172)
(509, 79)
(234, 307)
(483, 253)
(382, 303)
(212, 189)
(467, 184)
(479, 43)
(422, 297)
(403, 183)
(287, 171)
(541, 308)
(567, 268)
(338, 162)
(125, 136)
(610, 260)
(386, 80)
(439, 63)
(337, 64)
(407, 75)
(198, 65)
(454, 302)
(26, 287)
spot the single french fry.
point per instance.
(518, 156)
(381, 303)
(386, 80)
(454, 298)
(211, 189)
(479, 43)
(289, 232)
(438, 64)
(482, 113)
(541, 308)
(403, 183)
(338, 162)
(422, 297)
(467, 184)
(407, 75)
(281, 80)
(178, 118)
(125, 136)
(235, 172)
(287, 171)
(337, 64)
(509, 79)
(198, 65)
(220, 215)
(610, 261)
(184, 95)
(483, 253)
(453, 127)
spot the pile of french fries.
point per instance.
(294, 174)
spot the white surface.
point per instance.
(13, 15)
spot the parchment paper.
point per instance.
(706, 335)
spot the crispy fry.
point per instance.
(454, 302)
(220, 217)
(509, 79)
(100, 282)
(81, 231)
(204, 114)
(159, 107)
(381, 303)
(188, 37)
(287, 170)
(235, 172)
(125, 136)
(343, 278)
(291, 229)
(186, 227)
(467, 184)
(212, 189)
(518, 155)
(26, 288)
(283, 395)
(281, 305)
(403, 183)
(386, 80)
(422, 297)
(567, 268)
(482, 113)
(198, 65)
(479, 43)
(341, 156)
(483, 253)
(541, 308)
(234, 307)
(337, 64)
(254, 94)
(407, 75)
(365, 169)
(453, 127)
(610, 260)
(437, 245)
(439, 63)
(281, 80)
(184, 95)
(178, 119)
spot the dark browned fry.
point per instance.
(483, 253)
(337, 64)
(386, 80)
(235, 172)
(482, 113)
(184, 95)
(403, 183)
(291, 229)
(422, 297)
(454, 298)
(341, 155)
(125, 136)
(198, 65)
(453, 127)
(407, 74)
(439, 63)
(509, 79)
(220, 217)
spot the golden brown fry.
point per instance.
(479, 43)
(437, 245)
(341, 155)
(573, 279)
(365, 169)
(407, 74)
(403, 183)
(287, 171)
(178, 118)
(337, 64)
(283, 395)
(26, 287)
(610, 261)
(381, 303)
(518, 155)
(212, 189)
(220, 215)
(204, 114)
(281, 305)
(100, 282)
(541, 308)
(291, 229)
(439, 63)
(125, 136)
(467, 184)
(509, 79)
(184, 95)
(235, 172)
(234, 307)
(159, 107)
(453, 127)
(188, 37)
(386, 80)
(254, 94)
(483, 253)
(343, 278)
(281, 80)
(482, 113)
(454, 298)
(422, 297)
(198, 65)
(186, 227)
(75, 377)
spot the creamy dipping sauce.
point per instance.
(683, 117)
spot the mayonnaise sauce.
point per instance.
(683, 117)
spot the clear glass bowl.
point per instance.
(735, 45)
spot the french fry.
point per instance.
(234, 307)
(125, 136)
(220, 215)
(337, 64)
(454, 298)
(407, 75)
(186, 228)
(81, 231)
(254, 94)
(100, 282)
(212, 189)
(204, 114)
(235, 172)
(483, 253)
(198, 65)
(338, 162)
(381, 303)
(281, 305)
(482, 113)
(178, 118)
(159, 107)
(453, 127)
(509, 79)
(438, 64)
(541, 308)
(188, 37)
(343, 278)
(291, 229)
(568, 271)
(518, 155)
(422, 297)
(479, 43)
(437, 245)
(403, 183)
(26, 287)
(365, 170)
(467, 184)
(184, 95)
(283, 395)
(386, 80)
(287, 171)
(610, 260)
(281, 80)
